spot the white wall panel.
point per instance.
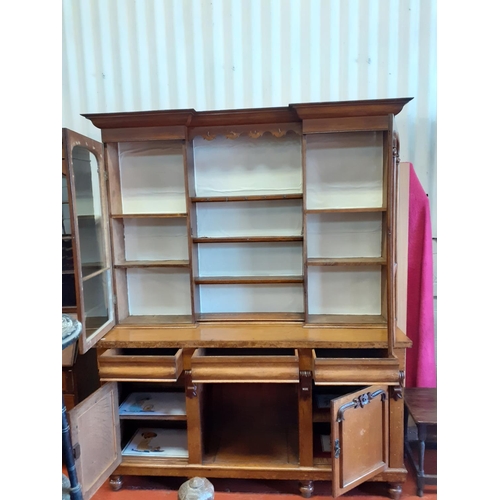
(132, 55)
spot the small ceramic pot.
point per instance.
(196, 488)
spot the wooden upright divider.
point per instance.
(402, 246)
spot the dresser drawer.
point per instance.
(245, 365)
(341, 366)
(146, 365)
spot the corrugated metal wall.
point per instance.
(131, 55)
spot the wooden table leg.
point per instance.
(69, 460)
(422, 436)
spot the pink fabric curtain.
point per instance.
(420, 361)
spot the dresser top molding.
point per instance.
(288, 114)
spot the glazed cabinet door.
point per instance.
(95, 436)
(87, 199)
(359, 437)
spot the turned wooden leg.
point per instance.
(306, 488)
(395, 490)
(422, 436)
(115, 482)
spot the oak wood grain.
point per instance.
(288, 335)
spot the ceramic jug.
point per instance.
(196, 488)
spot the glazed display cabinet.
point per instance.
(247, 325)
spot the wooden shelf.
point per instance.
(67, 237)
(69, 271)
(322, 415)
(248, 239)
(91, 271)
(345, 210)
(156, 320)
(150, 216)
(242, 280)
(265, 197)
(346, 319)
(356, 261)
(253, 317)
(178, 418)
(152, 263)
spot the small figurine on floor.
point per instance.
(196, 488)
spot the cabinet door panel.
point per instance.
(95, 435)
(360, 431)
(87, 203)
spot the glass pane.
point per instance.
(89, 210)
(68, 275)
(97, 298)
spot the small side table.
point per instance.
(421, 404)
(70, 332)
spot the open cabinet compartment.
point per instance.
(104, 437)
(247, 226)
(151, 177)
(251, 423)
(345, 170)
(345, 294)
(247, 165)
(155, 295)
(153, 419)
